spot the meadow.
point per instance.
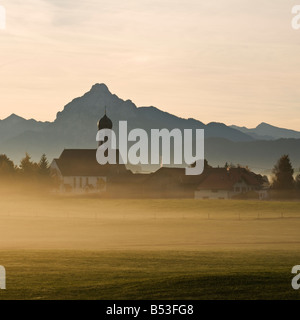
(62, 247)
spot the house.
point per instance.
(227, 183)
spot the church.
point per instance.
(78, 170)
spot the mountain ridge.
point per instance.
(266, 131)
(75, 126)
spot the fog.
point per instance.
(31, 221)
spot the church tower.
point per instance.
(104, 123)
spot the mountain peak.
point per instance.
(263, 124)
(13, 118)
(100, 87)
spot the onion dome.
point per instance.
(104, 122)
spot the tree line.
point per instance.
(28, 172)
(26, 168)
(39, 172)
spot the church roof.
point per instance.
(82, 162)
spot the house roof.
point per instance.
(225, 179)
(83, 162)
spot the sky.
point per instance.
(230, 61)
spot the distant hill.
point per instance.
(265, 131)
(76, 126)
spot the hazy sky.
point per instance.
(231, 61)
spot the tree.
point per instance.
(7, 166)
(28, 167)
(283, 172)
(44, 168)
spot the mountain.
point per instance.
(14, 125)
(86, 110)
(265, 131)
(76, 127)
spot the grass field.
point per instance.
(87, 248)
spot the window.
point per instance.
(86, 181)
(74, 182)
(80, 182)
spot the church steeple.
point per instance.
(104, 122)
